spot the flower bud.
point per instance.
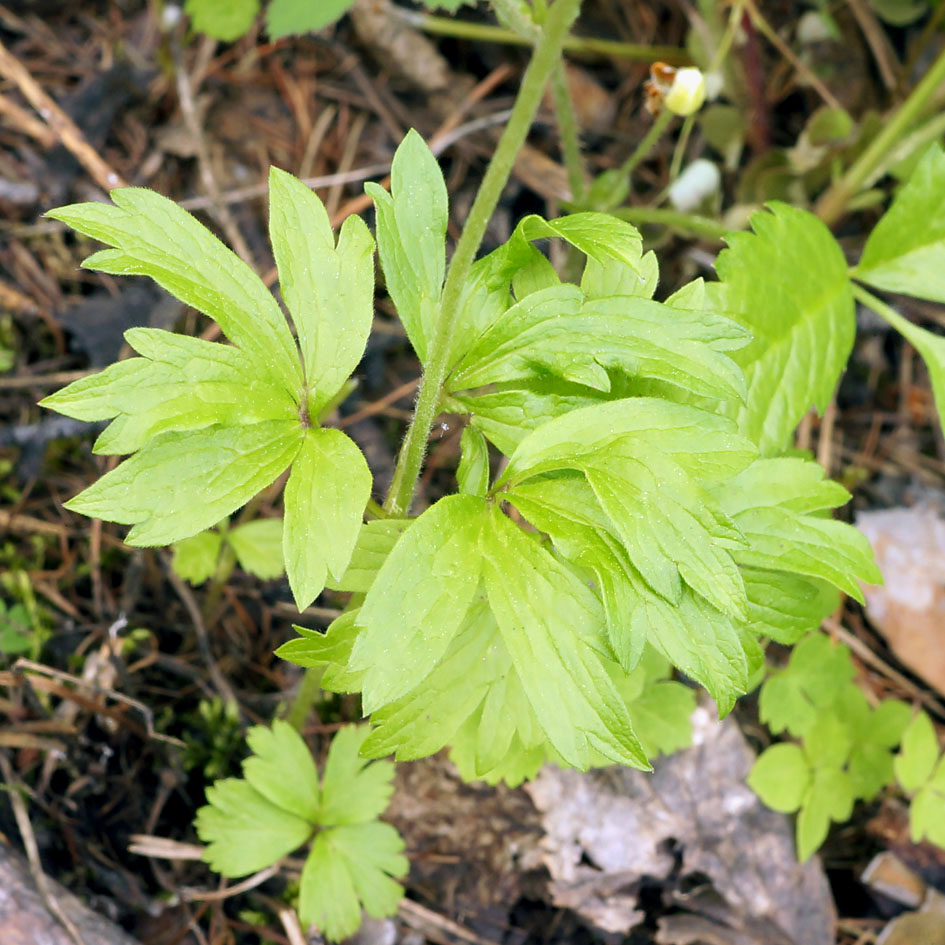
(687, 93)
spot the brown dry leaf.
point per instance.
(909, 609)
(607, 830)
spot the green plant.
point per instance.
(255, 545)
(845, 748)
(15, 629)
(646, 509)
(280, 804)
(920, 770)
(230, 21)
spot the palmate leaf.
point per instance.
(353, 790)
(182, 483)
(277, 751)
(152, 236)
(905, 251)
(787, 284)
(411, 237)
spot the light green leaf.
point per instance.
(411, 237)
(905, 251)
(917, 754)
(607, 278)
(426, 719)
(329, 292)
(354, 790)
(472, 475)
(328, 488)
(331, 649)
(769, 502)
(870, 768)
(925, 815)
(506, 414)
(830, 797)
(888, 722)
(550, 624)
(702, 443)
(555, 331)
(276, 751)
(661, 717)
(828, 741)
(182, 483)
(291, 17)
(780, 777)
(599, 235)
(698, 639)
(786, 607)
(258, 547)
(223, 21)
(195, 559)
(375, 542)
(931, 347)
(350, 867)
(245, 832)
(787, 284)
(153, 236)
(181, 383)
(419, 599)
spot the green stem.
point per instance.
(687, 222)
(310, 687)
(568, 129)
(547, 52)
(485, 32)
(680, 150)
(833, 202)
(660, 124)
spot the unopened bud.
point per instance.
(687, 93)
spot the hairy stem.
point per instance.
(689, 223)
(547, 53)
(833, 202)
(568, 129)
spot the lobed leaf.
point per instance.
(258, 547)
(354, 790)
(275, 751)
(153, 236)
(179, 484)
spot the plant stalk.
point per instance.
(486, 32)
(570, 134)
(833, 202)
(547, 53)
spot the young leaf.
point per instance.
(786, 607)
(329, 291)
(258, 547)
(325, 497)
(600, 236)
(349, 867)
(353, 790)
(918, 753)
(182, 483)
(830, 797)
(331, 649)
(195, 559)
(244, 831)
(291, 17)
(223, 21)
(780, 777)
(152, 236)
(276, 751)
(800, 314)
(419, 599)
(905, 251)
(925, 812)
(411, 237)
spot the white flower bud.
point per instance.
(698, 181)
(687, 93)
